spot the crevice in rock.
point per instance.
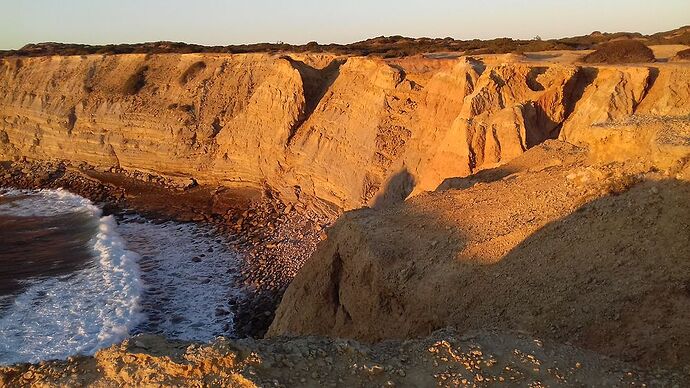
(192, 71)
(401, 72)
(573, 91)
(575, 88)
(478, 65)
(316, 83)
(532, 76)
(651, 80)
(136, 81)
(215, 128)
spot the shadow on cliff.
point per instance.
(398, 188)
(613, 276)
(549, 154)
(484, 176)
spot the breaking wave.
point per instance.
(76, 313)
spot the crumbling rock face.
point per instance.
(346, 131)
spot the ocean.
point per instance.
(73, 281)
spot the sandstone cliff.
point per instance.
(348, 131)
(583, 240)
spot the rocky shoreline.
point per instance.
(273, 239)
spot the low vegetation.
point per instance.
(392, 46)
(621, 51)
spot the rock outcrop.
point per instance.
(346, 131)
(550, 243)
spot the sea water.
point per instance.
(73, 281)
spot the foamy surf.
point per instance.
(78, 313)
(189, 276)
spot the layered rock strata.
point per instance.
(346, 131)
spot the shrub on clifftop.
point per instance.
(621, 51)
(683, 55)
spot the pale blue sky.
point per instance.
(216, 22)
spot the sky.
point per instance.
(216, 22)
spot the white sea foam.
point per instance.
(36, 203)
(189, 277)
(78, 313)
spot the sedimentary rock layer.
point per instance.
(348, 131)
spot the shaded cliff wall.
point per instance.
(349, 131)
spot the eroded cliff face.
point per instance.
(582, 239)
(347, 131)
